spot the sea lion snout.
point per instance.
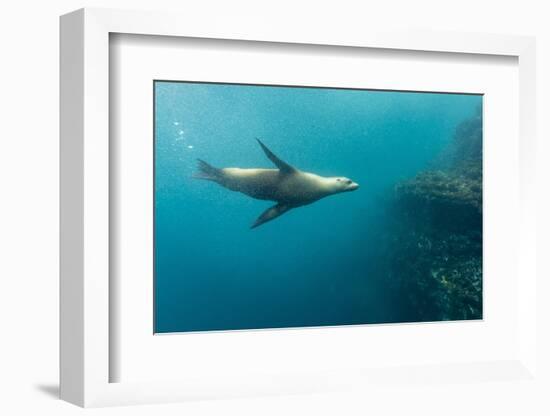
(345, 185)
(351, 187)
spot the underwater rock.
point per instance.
(436, 258)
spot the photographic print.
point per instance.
(285, 206)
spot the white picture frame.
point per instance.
(85, 221)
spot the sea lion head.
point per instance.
(342, 184)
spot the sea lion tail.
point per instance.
(207, 171)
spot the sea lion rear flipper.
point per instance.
(207, 171)
(282, 165)
(270, 214)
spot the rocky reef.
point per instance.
(436, 252)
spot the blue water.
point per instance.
(315, 265)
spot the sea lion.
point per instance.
(286, 185)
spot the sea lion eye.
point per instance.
(338, 179)
(348, 181)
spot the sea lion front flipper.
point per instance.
(282, 165)
(270, 214)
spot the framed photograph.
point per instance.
(268, 211)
